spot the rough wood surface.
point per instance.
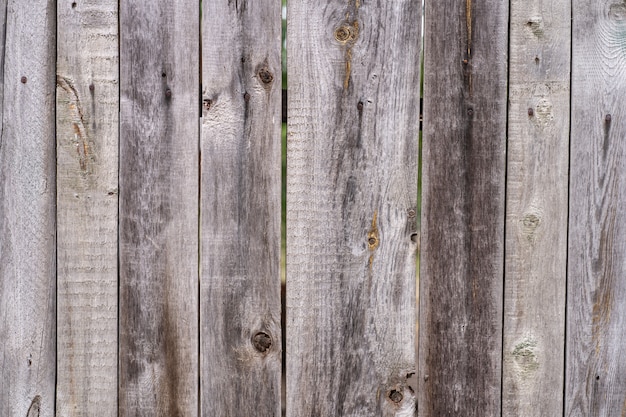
(536, 222)
(159, 158)
(351, 207)
(87, 145)
(240, 209)
(27, 212)
(462, 247)
(596, 312)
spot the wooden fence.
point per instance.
(140, 214)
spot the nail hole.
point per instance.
(607, 118)
(415, 237)
(359, 106)
(163, 75)
(537, 60)
(23, 80)
(531, 112)
(207, 103)
(262, 342)
(73, 5)
(597, 377)
(168, 93)
(92, 87)
(470, 112)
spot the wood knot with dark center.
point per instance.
(395, 396)
(262, 342)
(266, 76)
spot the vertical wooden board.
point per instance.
(87, 163)
(27, 210)
(596, 313)
(462, 248)
(240, 208)
(158, 210)
(351, 207)
(536, 219)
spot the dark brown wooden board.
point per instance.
(240, 342)
(596, 312)
(158, 210)
(353, 120)
(462, 247)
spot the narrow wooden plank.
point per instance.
(536, 218)
(240, 208)
(158, 210)
(87, 162)
(596, 313)
(27, 210)
(461, 280)
(351, 207)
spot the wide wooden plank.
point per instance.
(158, 210)
(462, 248)
(240, 208)
(351, 207)
(596, 313)
(27, 209)
(536, 218)
(87, 163)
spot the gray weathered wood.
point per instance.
(596, 312)
(87, 144)
(351, 207)
(536, 220)
(27, 213)
(240, 209)
(159, 159)
(461, 280)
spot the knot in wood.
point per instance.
(266, 76)
(262, 342)
(347, 32)
(395, 396)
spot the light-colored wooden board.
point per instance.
(352, 141)
(537, 199)
(87, 168)
(27, 210)
(240, 342)
(462, 228)
(158, 210)
(596, 290)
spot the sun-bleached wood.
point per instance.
(87, 163)
(596, 289)
(240, 341)
(158, 210)
(352, 141)
(27, 209)
(536, 219)
(462, 246)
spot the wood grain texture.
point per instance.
(240, 209)
(87, 168)
(158, 210)
(27, 210)
(596, 313)
(462, 247)
(536, 219)
(351, 207)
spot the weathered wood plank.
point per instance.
(536, 219)
(461, 280)
(87, 164)
(596, 313)
(351, 207)
(240, 209)
(27, 212)
(158, 210)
